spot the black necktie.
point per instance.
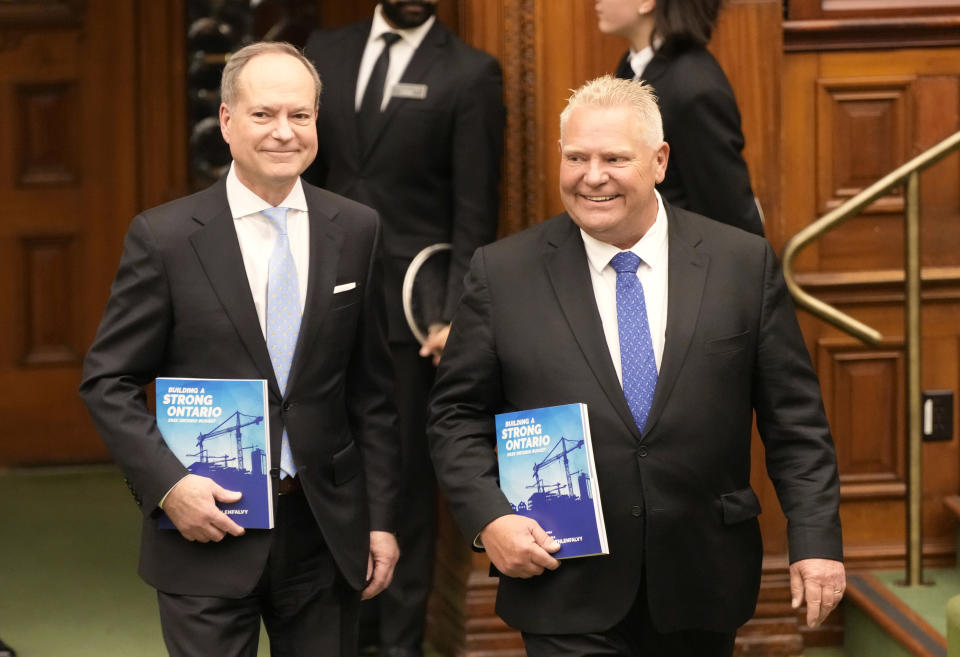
(369, 113)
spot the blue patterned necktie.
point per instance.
(637, 360)
(283, 315)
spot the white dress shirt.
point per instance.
(400, 54)
(257, 235)
(652, 272)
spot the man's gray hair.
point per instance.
(230, 80)
(608, 91)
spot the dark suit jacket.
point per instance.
(181, 306)
(706, 172)
(677, 500)
(433, 170)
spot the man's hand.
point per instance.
(191, 506)
(436, 341)
(518, 546)
(383, 556)
(822, 582)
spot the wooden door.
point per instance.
(78, 161)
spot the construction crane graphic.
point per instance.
(552, 458)
(233, 424)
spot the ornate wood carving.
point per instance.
(47, 149)
(49, 263)
(521, 188)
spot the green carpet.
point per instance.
(68, 562)
(928, 601)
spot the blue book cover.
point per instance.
(548, 473)
(219, 428)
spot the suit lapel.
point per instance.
(326, 239)
(218, 249)
(685, 286)
(424, 58)
(566, 264)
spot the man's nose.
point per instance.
(596, 173)
(282, 130)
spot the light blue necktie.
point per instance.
(283, 315)
(639, 366)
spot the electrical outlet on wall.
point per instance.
(937, 415)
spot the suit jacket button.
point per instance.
(637, 511)
(286, 406)
(642, 451)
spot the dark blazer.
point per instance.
(676, 499)
(433, 169)
(181, 306)
(706, 172)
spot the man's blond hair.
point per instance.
(608, 91)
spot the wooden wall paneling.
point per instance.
(864, 131)
(68, 189)
(938, 116)
(161, 100)
(748, 44)
(50, 293)
(47, 146)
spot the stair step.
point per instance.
(894, 617)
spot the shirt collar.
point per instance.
(649, 248)
(414, 35)
(640, 58)
(244, 202)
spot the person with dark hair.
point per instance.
(701, 122)
(260, 276)
(412, 120)
(6, 651)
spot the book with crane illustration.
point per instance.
(548, 473)
(220, 428)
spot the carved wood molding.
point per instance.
(871, 33)
(521, 193)
(40, 13)
(880, 286)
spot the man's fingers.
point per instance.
(543, 539)
(812, 592)
(228, 496)
(796, 589)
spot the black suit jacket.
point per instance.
(676, 498)
(433, 169)
(706, 172)
(181, 306)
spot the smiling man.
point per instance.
(675, 331)
(200, 288)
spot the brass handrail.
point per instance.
(909, 173)
(839, 215)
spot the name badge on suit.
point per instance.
(409, 90)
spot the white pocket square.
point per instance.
(337, 289)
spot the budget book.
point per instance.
(547, 472)
(220, 428)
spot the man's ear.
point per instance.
(225, 122)
(661, 157)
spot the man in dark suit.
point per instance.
(412, 119)
(195, 295)
(673, 329)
